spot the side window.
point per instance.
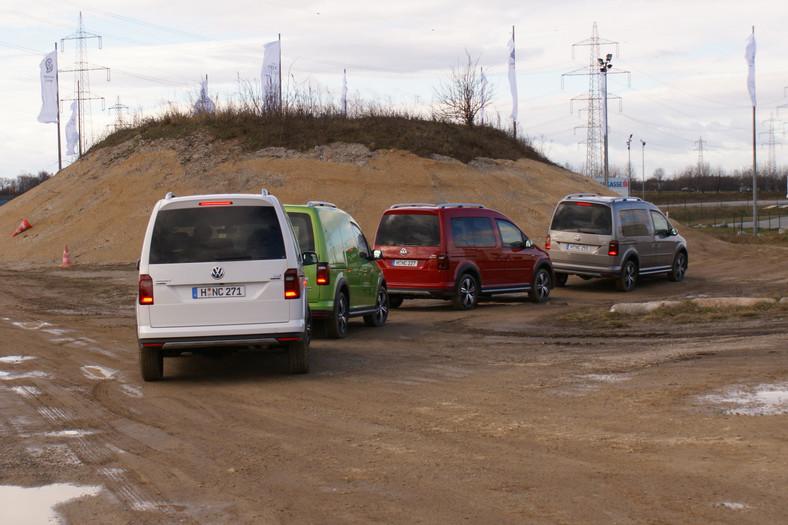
(483, 234)
(302, 225)
(363, 247)
(472, 232)
(661, 224)
(511, 236)
(462, 232)
(634, 223)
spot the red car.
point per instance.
(460, 252)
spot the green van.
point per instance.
(347, 281)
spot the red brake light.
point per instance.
(612, 248)
(323, 276)
(443, 261)
(216, 203)
(547, 242)
(146, 289)
(583, 204)
(292, 284)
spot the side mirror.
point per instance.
(673, 231)
(377, 255)
(309, 258)
(529, 244)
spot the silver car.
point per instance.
(620, 238)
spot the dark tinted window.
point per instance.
(634, 223)
(511, 236)
(475, 232)
(661, 224)
(302, 224)
(582, 217)
(221, 233)
(402, 229)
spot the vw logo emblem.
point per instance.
(577, 238)
(403, 252)
(217, 272)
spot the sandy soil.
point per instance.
(505, 414)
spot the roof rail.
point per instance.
(169, 195)
(634, 199)
(412, 204)
(264, 192)
(321, 203)
(461, 205)
(581, 195)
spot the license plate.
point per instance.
(404, 262)
(578, 248)
(211, 292)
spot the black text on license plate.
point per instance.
(210, 292)
(405, 262)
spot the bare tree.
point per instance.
(463, 96)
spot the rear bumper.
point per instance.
(183, 343)
(587, 270)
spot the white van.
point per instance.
(219, 272)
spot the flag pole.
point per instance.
(57, 98)
(754, 168)
(514, 119)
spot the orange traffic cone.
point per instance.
(66, 257)
(22, 227)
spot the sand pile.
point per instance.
(99, 206)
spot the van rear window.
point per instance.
(403, 229)
(221, 233)
(583, 217)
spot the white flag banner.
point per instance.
(512, 79)
(343, 99)
(271, 75)
(749, 54)
(204, 104)
(72, 135)
(49, 106)
(484, 87)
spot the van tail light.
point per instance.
(146, 290)
(443, 261)
(292, 284)
(323, 277)
(547, 242)
(612, 248)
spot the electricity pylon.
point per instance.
(82, 93)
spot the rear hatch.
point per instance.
(580, 233)
(217, 263)
(248, 293)
(410, 243)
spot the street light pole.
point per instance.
(604, 65)
(629, 166)
(643, 167)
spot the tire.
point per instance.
(395, 301)
(336, 326)
(540, 287)
(381, 309)
(560, 279)
(628, 279)
(298, 357)
(466, 293)
(151, 363)
(679, 267)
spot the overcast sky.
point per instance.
(680, 68)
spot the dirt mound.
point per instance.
(99, 206)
